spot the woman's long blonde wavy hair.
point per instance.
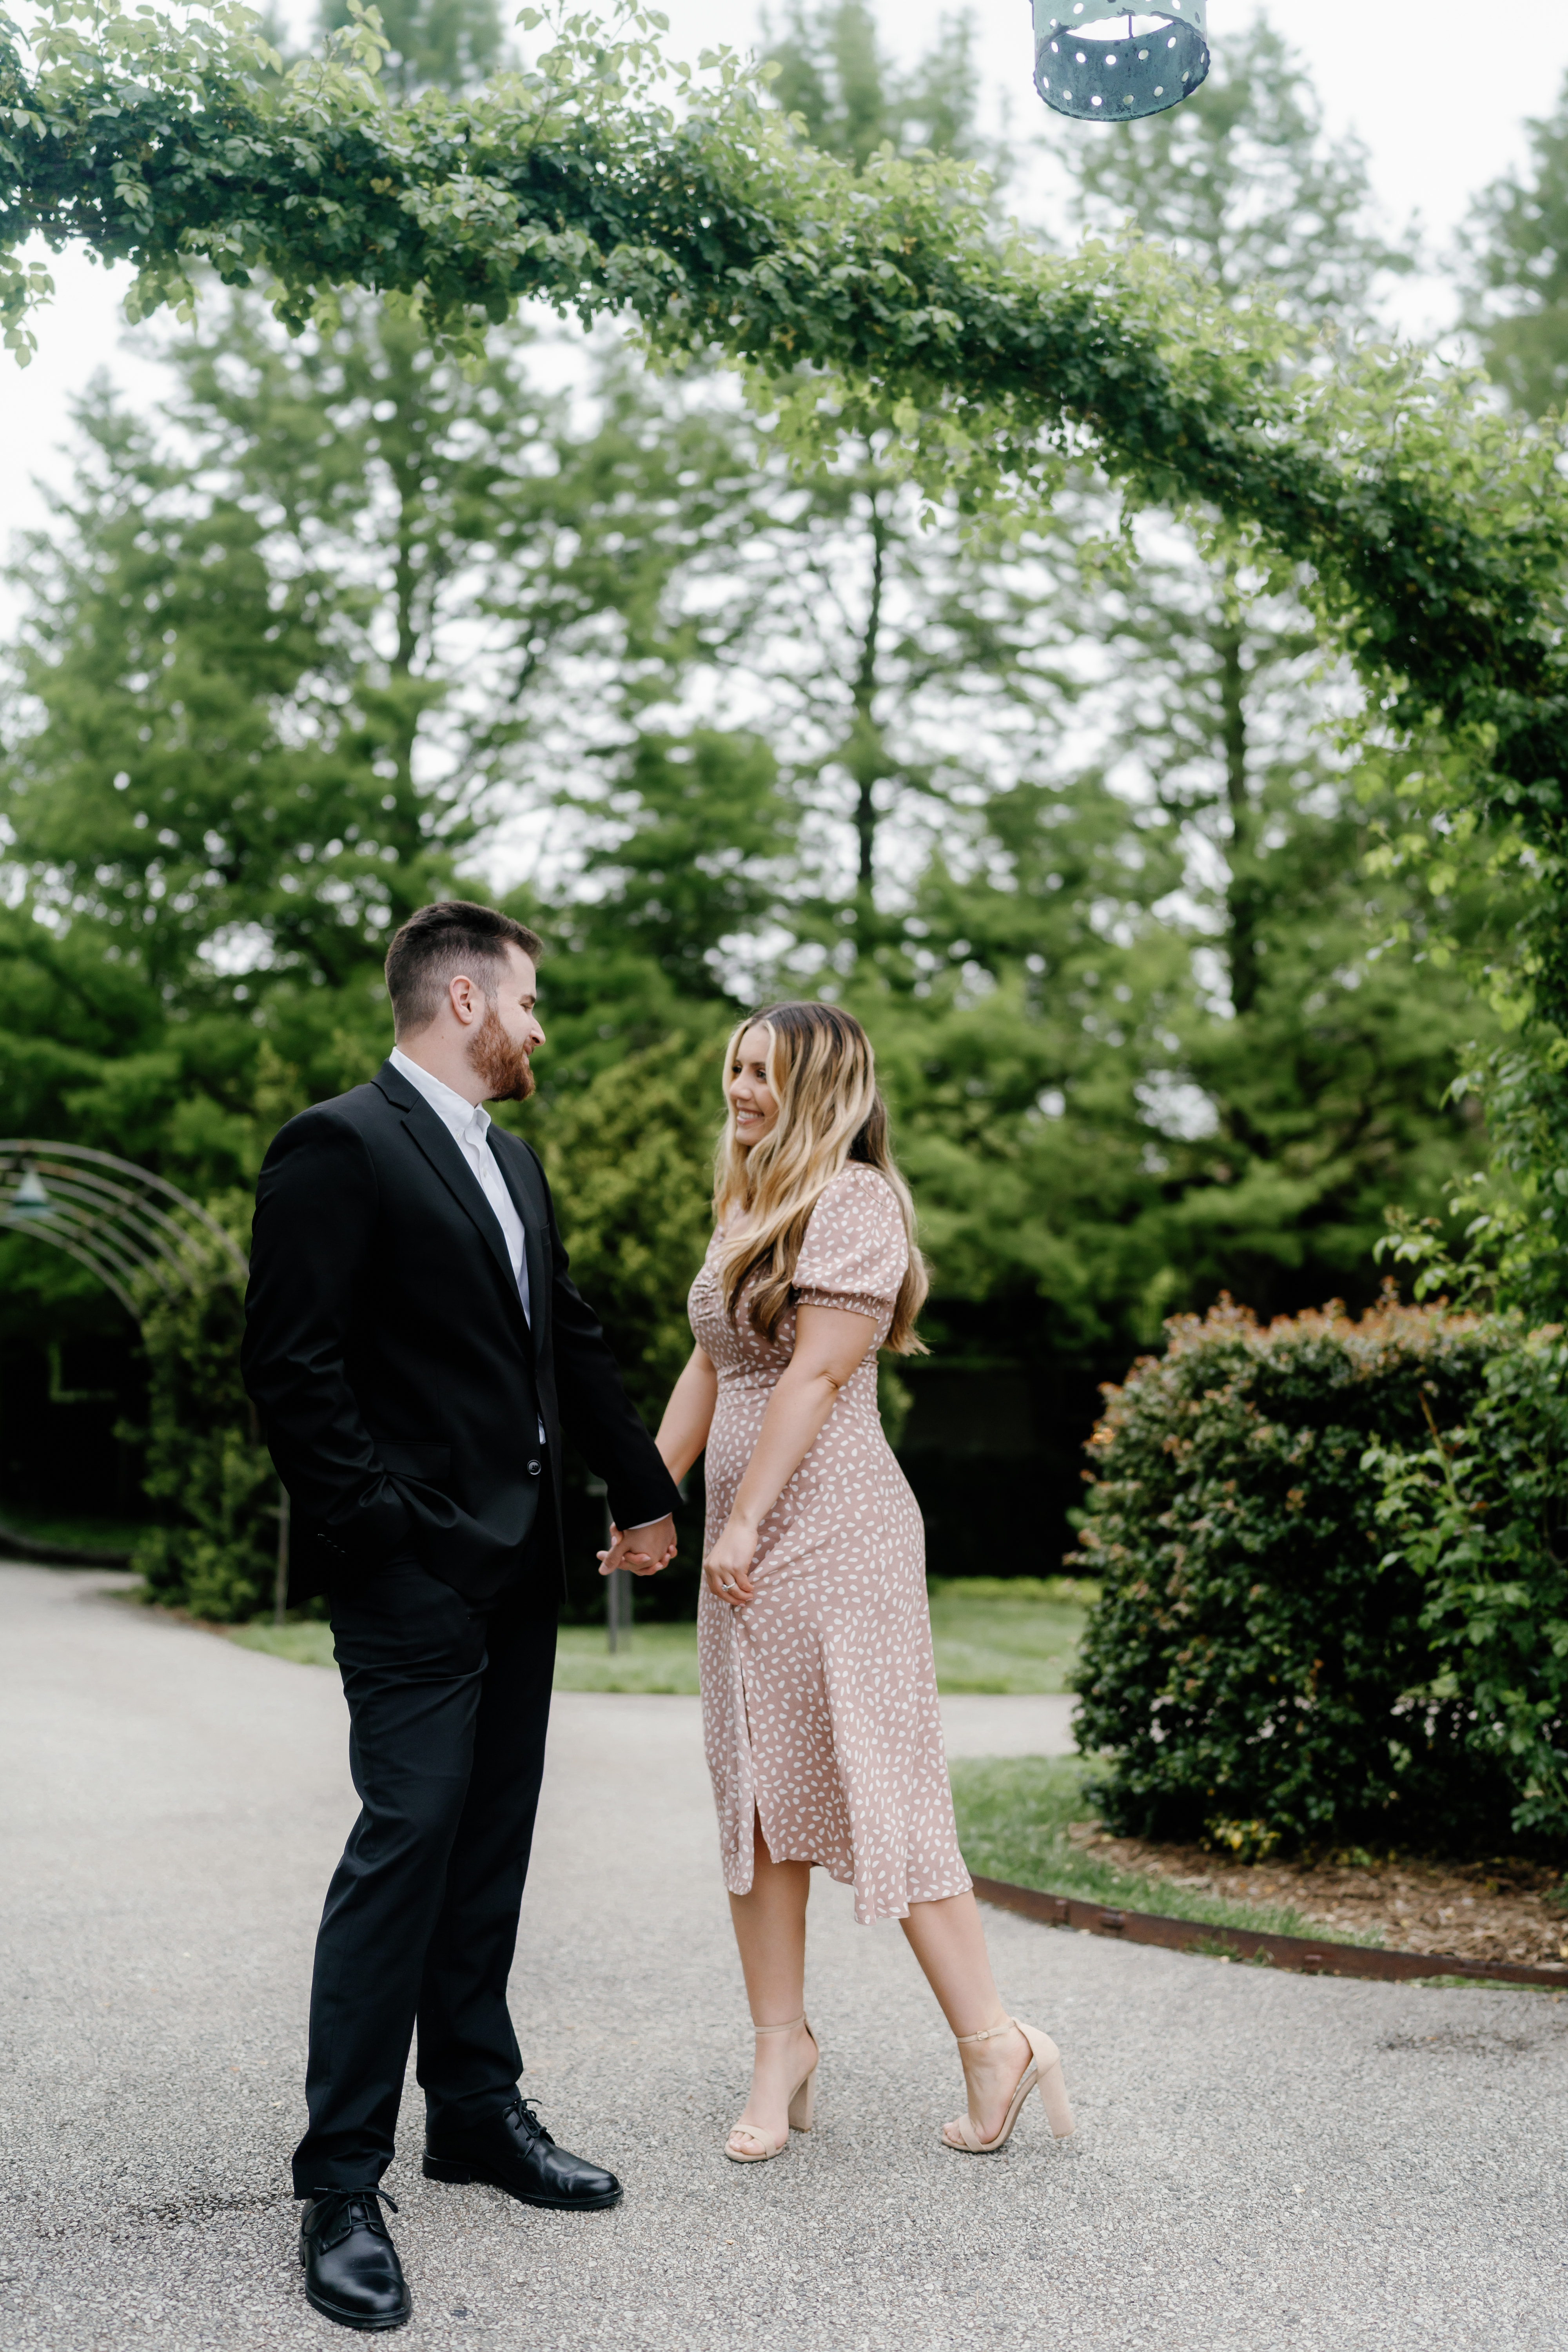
(821, 1070)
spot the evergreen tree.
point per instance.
(1518, 250)
(1516, 245)
(434, 44)
(899, 662)
(1295, 1082)
(830, 68)
(278, 670)
(1243, 182)
(1140, 1040)
(281, 664)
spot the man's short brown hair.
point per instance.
(440, 941)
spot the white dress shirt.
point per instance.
(469, 1124)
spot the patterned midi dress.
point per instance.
(819, 1703)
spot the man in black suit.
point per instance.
(414, 1348)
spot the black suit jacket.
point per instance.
(399, 1384)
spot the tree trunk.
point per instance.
(1241, 888)
(406, 453)
(867, 759)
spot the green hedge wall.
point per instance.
(1331, 1605)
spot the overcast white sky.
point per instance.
(1437, 133)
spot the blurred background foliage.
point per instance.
(1165, 1001)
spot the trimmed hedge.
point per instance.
(1481, 1515)
(1301, 1638)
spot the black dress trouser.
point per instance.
(449, 1705)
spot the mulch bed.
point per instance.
(1497, 1910)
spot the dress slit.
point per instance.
(757, 1823)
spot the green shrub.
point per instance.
(208, 1474)
(1259, 1665)
(1479, 1517)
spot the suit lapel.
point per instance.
(437, 1142)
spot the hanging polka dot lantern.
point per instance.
(1126, 66)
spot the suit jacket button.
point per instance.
(534, 1468)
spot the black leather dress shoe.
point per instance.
(512, 2150)
(351, 2270)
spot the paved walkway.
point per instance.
(1263, 2160)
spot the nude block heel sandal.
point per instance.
(802, 2106)
(1043, 2070)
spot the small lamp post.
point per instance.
(280, 1563)
(1114, 78)
(617, 1584)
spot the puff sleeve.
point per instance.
(856, 1250)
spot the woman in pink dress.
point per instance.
(819, 1699)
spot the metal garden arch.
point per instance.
(138, 1234)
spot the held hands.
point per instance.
(645, 1550)
(727, 1570)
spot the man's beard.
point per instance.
(502, 1066)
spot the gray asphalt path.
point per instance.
(1262, 2159)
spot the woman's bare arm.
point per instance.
(682, 1434)
(831, 1344)
(688, 1415)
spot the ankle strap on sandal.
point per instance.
(988, 2032)
(794, 2025)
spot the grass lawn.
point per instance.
(306, 1644)
(1006, 1632)
(60, 1528)
(992, 1633)
(1014, 1815)
(653, 1658)
(658, 1657)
